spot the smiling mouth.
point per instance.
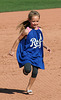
(35, 25)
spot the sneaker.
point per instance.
(29, 92)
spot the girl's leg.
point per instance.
(32, 78)
(27, 68)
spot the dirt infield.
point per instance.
(12, 81)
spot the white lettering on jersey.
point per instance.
(36, 43)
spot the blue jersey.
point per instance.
(30, 50)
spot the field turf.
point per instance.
(23, 5)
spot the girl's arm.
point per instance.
(46, 47)
(11, 52)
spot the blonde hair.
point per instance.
(26, 23)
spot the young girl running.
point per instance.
(30, 47)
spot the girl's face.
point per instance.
(34, 22)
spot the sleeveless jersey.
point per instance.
(30, 49)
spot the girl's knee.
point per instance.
(34, 72)
(27, 67)
(34, 75)
(27, 70)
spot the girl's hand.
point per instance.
(48, 49)
(11, 53)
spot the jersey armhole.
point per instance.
(28, 29)
(40, 28)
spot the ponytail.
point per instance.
(23, 25)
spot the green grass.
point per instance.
(22, 5)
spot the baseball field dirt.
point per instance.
(13, 82)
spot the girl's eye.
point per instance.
(33, 21)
